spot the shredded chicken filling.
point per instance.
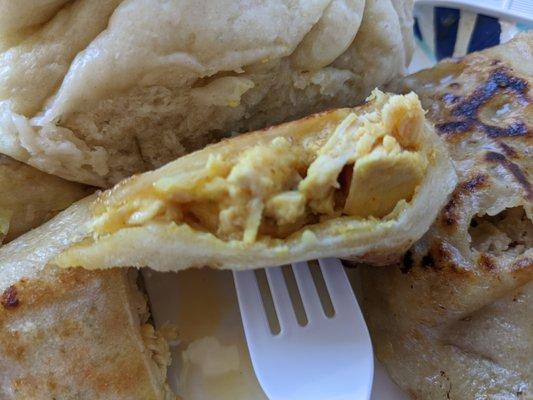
(369, 164)
(510, 231)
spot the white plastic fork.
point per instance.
(329, 358)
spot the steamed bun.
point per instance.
(95, 91)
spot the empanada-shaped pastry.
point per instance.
(29, 197)
(362, 183)
(95, 91)
(73, 334)
(454, 321)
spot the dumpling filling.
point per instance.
(368, 164)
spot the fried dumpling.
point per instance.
(73, 333)
(361, 183)
(67, 333)
(454, 320)
(96, 91)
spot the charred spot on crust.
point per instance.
(498, 79)
(506, 80)
(467, 109)
(9, 298)
(495, 157)
(450, 98)
(508, 150)
(514, 169)
(521, 178)
(428, 261)
(408, 262)
(449, 389)
(439, 257)
(454, 127)
(486, 262)
(517, 128)
(474, 183)
(449, 217)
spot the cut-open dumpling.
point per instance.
(361, 183)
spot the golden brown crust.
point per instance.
(71, 333)
(463, 275)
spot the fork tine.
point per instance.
(286, 364)
(339, 288)
(251, 306)
(281, 298)
(307, 289)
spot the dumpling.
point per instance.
(106, 348)
(361, 183)
(29, 197)
(72, 333)
(95, 91)
(454, 320)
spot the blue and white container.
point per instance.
(454, 28)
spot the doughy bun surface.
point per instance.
(95, 92)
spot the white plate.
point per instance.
(209, 358)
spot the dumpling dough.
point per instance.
(29, 197)
(454, 320)
(95, 91)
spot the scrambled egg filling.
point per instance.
(369, 164)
